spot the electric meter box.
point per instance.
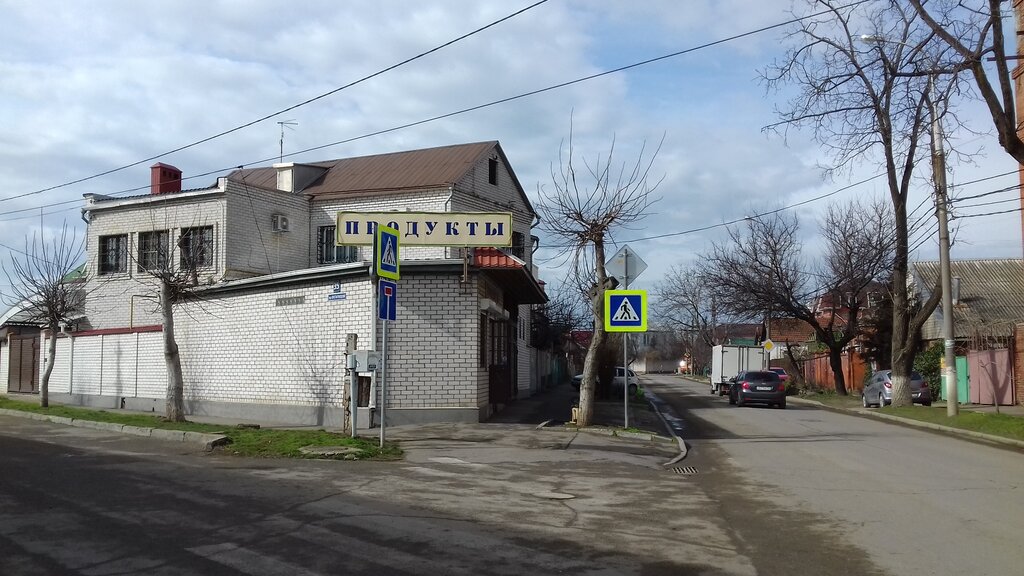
(365, 360)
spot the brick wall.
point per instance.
(244, 347)
(433, 347)
(252, 247)
(109, 302)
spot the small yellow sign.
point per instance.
(768, 345)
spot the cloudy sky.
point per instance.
(91, 87)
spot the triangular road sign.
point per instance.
(625, 313)
(388, 258)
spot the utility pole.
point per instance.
(1018, 79)
(939, 177)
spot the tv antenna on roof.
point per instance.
(282, 124)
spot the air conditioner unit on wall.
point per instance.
(279, 223)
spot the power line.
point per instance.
(1014, 199)
(990, 193)
(434, 118)
(988, 214)
(282, 111)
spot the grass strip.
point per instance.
(1002, 425)
(245, 441)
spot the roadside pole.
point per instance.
(625, 311)
(383, 380)
(388, 298)
(385, 263)
(625, 352)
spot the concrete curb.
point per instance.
(683, 449)
(601, 431)
(207, 441)
(914, 423)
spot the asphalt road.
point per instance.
(763, 492)
(496, 499)
(827, 490)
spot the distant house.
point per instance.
(791, 332)
(736, 334)
(988, 299)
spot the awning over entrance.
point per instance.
(510, 273)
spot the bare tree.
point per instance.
(690, 304)
(974, 30)
(588, 202)
(868, 102)
(761, 270)
(43, 280)
(176, 275)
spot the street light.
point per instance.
(939, 177)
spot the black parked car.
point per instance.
(761, 386)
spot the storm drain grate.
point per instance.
(688, 470)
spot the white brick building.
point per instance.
(266, 338)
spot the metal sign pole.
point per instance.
(384, 378)
(353, 393)
(625, 355)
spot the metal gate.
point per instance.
(990, 376)
(24, 368)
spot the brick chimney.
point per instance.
(164, 179)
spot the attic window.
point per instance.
(492, 171)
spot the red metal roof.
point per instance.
(494, 258)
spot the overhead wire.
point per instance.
(282, 111)
(433, 118)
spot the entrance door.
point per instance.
(24, 371)
(499, 363)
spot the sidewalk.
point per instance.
(518, 424)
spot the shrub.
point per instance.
(927, 364)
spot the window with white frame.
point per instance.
(327, 252)
(113, 256)
(196, 247)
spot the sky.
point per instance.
(92, 87)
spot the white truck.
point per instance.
(728, 361)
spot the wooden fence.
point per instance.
(818, 371)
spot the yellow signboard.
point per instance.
(427, 228)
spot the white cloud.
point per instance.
(89, 88)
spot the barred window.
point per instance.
(113, 254)
(329, 253)
(152, 250)
(196, 247)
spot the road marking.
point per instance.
(456, 461)
(249, 562)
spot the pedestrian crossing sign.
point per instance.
(385, 252)
(625, 310)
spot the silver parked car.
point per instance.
(878, 390)
(617, 381)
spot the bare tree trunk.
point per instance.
(175, 409)
(51, 356)
(798, 367)
(593, 360)
(835, 361)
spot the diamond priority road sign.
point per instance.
(625, 310)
